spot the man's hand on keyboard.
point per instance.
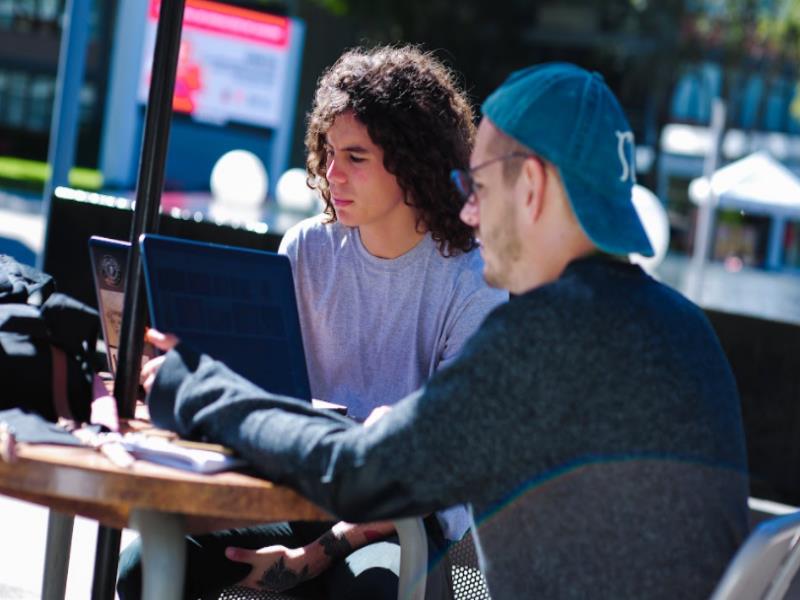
(164, 342)
(376, 414)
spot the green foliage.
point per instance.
(335, 7)
(31, 174)
(631, 41)
(763, 35)
(779, 27)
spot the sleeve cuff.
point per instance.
(180, 362)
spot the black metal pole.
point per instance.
(106, 558)
(149, 186)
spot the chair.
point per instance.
(468, 583)
(243, 593)
(765, 564)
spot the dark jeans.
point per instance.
(369, 572)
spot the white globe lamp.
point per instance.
(293, 193)
(239, 180)
(654, 218)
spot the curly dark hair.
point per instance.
(413, 109)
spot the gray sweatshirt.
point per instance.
(593, 424)
(376, 329)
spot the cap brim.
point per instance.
(612, 223)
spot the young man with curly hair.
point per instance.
(389, 287)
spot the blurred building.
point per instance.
(30, 31)
(749, 59)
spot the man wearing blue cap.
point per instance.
(592, 422)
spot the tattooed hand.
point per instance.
(276, 568)
(335, 546)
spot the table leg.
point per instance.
(56, 558)
(163, 554)
(106, 558)
(413, 559)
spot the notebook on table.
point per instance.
(180, 454)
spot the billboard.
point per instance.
(232, 67)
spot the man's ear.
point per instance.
(534, 178)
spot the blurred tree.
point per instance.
(632, 42)
(778, 31)
(748, 38)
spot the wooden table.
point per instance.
(164, 504)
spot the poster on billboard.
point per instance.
(232, 67)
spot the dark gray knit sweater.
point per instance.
(593, 424)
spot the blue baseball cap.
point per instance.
(569, 117)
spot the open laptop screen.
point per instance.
(109, 265)
(235, 304)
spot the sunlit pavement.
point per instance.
(22, 542)
(21, 226)
(748, 291)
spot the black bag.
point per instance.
(46, 350)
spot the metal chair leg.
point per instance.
(413, 558)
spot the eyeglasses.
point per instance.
(462, 178)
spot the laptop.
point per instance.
(109, 270)
(234, 304)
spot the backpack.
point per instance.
(47, 340)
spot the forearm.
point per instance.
(352, 536)
(188, 382)
(343, 539)
(357, 473)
